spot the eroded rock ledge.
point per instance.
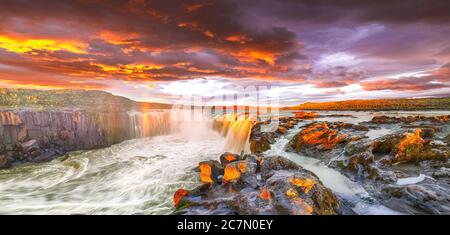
(254, 185)
(408, 170)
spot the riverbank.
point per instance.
(405, 168)
(30, 135)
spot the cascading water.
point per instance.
(139, 176)
(144, 124)
(236, 129)
(136, 176)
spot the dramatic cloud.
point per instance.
(439, 78)
(334, 48)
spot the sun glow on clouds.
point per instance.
(158, 51)
(29, 45)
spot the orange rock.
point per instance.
(179, 194)
(281, 130)
(242, 166)
(321, 134)
(205, 172)
(230, 158)
(304, 207)
(265, 194)
(291, 193)
(410, 144)
(306, 184)
(305, 115)
(231, 173)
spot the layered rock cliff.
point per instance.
(37, 135)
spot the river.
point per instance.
(139, 176)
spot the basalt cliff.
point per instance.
(37, 125)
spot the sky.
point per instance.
(161, 51)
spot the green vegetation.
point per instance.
(99, 101)
(380, 104)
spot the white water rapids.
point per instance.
(140, 176)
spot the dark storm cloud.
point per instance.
(332, 11)
(185, 38)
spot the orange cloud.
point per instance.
(116, 38)
(17, 45)
(242, 39)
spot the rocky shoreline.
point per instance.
(407, 170)
(249, 185)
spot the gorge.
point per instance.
(72, 160)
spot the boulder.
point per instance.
(384, 120)
(305, 115)
(210, 172)
(281, 130)
(386, 144)
(30, 146)
(316, 137)
(228, 157)
(275, 186)
(260, 141)
(427, 197)
(412, 147)
(409, 119)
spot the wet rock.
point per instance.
(384, 120)
(360, 128)
(409, 119)
(315, 138)
(386, 144)
(427, 197)
(269, 165)
(30, 147)
(356, 147)
(305, 115)
(228, 157)
(281, 130)
(443, 172)
(340, 125)
(276, 186)
(381, 175)
(210, 172)
(364, 159)
(428, 131)
(338, 115)
(412, 147)
(4, 162)
(233, 171)
(260, 141)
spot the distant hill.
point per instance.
(99, 101)
(379, 104)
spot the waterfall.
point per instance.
(236, 129)
(144, 124)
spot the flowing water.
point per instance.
(140, 176)
(341, 185)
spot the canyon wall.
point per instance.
(37, 135)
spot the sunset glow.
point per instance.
(126, 47)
